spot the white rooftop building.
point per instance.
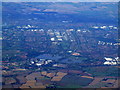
(108, 59)
(103, 27)
(111, 61)
(52, 39)
(95, 27)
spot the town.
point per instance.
(56, 53)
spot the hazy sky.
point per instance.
(59, 0)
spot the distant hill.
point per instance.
(64, 11)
